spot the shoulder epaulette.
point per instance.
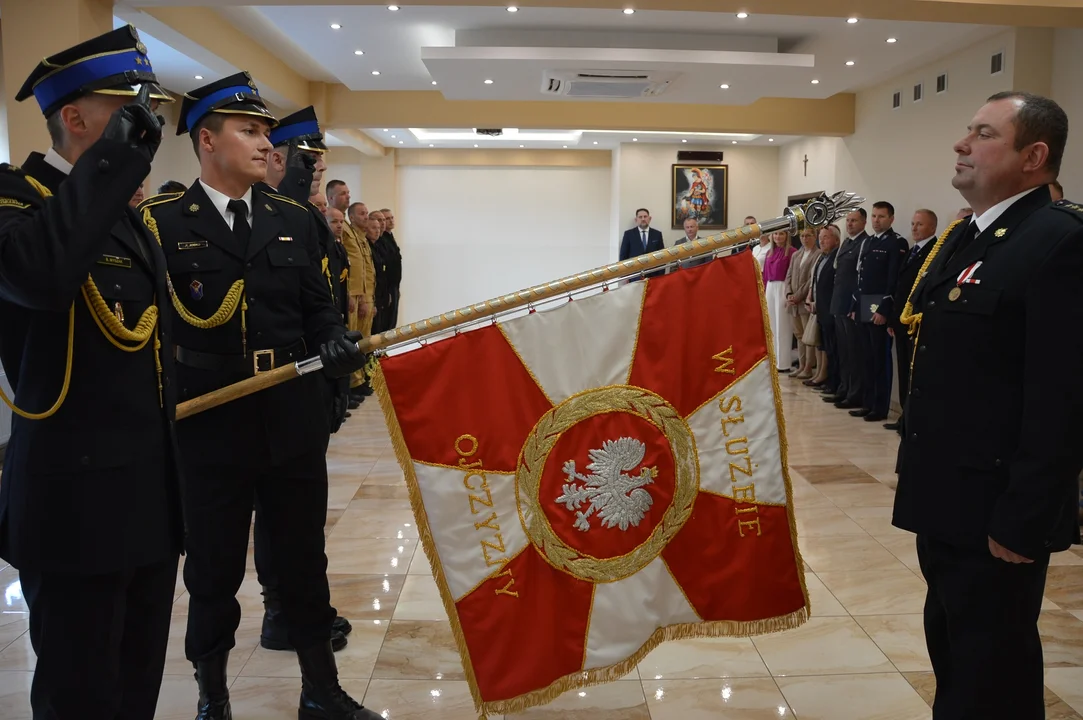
(159, 199)
(1070, 207)
(19, 194)
(285, 199)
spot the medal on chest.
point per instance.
(966, 277)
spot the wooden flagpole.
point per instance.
(814, 214)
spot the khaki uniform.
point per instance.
(362, 284)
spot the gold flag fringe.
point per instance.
(610, 673)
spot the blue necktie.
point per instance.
(644, 234)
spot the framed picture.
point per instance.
(700, 192)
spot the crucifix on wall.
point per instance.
(806, 165)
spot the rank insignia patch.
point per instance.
(193, 208)
(1001, 232)
(197, 290)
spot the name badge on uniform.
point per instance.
(115, 261)
(192, 245)
(196, 289)
(285, 238)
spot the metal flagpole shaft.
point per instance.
(815, 214)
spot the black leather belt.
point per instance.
(254, 363)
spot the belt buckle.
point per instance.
(259, 365)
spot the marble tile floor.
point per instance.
(861, 656)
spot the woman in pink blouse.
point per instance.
(775, 267)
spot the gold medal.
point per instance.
(954, 294)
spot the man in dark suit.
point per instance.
(248, 296)
(877, 279)
(849, 392)
(923, 233)
(823, 285)
(90, 509)
(642, 239)
(991, 451)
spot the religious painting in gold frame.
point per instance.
(701, 192)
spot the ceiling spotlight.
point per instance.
(742, 15)
(400, 142)
(433, 82)
(385, 130)
(815, 82)
(394, 136)
(392, 8)
(724, 86)
(849, 63)
(375, 72)
(770, 139)
(336, 26)
(684, 141)
(512, 8)
(475, 145)
(431, 145)
(488, 82)
(635, 139)
(851, 21)
(629, 11)
(892, 40)
(595, 142)
(733, 141)
(565, 147)
(358, 52)
(522, 146)
(199, 77)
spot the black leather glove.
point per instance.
(136, 125)
(340, 402)
(300, 159)
(341, 357)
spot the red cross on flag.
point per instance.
(595, 479)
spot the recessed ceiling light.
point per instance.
(199, 77)
(488, 82)
(815, 82)
(849, 63)
(724, 86)
(431, 145)
(629, 11)
(684, 141)
(595, 142)
(770, 139)
(891, 40)
(635, 139)
(512, 8)
(851, 21)
(400, 142)
(433, 82)
(375, 72)
(475, 144)
(394, 136)
(392, 8)
(358, 52)
(336, 26)
(742, 15)
(385, 130)
(565, 147)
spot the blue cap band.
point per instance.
(75, 77)
(203, 106)
(285, 133)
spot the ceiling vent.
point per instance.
(604, 83)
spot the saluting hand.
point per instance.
(1003, 553)
(136, 125)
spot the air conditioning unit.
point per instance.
(605, 83)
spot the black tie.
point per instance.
(913, 254)
(964, 240)
(241, 229)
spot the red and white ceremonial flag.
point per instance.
(595, 479)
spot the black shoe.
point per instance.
(353, 403)
(213, 690)
(834, 399)
(275, 635)
(861, 412)
(847, 405)
(892, 425)
(322, 698)
(341, 626)
(366, 390)
(875, 417)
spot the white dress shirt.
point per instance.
(991, 215)
(221, 202)
(53, 158)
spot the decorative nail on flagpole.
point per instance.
(814, 214)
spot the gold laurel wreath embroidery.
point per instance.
(543, 438)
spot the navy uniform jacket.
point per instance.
(94, 488)
(993, 422)
(879, 272)
(288, 307)
(842, 295)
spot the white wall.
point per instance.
(175, 160)
(1067, 81)
(645, 180)
(473, 233)
(903, 155)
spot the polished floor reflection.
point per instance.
(861, 656)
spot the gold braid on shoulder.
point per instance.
(111, 327)
(908, 317)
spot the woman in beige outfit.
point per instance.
(798, 280)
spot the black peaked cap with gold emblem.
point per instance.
(115, 63)
(233, 95)
(301, 127)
